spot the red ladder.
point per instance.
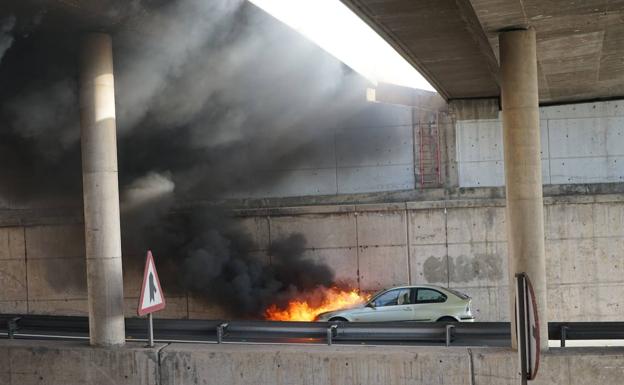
(429, 154)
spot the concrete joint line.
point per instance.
(104, 171)
(101, 258)
(159, 353)
(471, 365)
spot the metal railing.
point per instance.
(222, 331)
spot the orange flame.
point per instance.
(321, 301)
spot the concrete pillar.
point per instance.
(523, 167)
(101, 191)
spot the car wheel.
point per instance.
(447, 319)
(338, 319)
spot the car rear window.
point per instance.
(429, 296)
(458, 293)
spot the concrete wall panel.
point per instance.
(258, 229)
(427, 227)
(580, 170)
(480, 153)
(12, 243)
(429, 264)
(321, 231)
(380, 115)
(14, 307)
(578, 138)
(320, 181)
(484, 139)
(567, 261)
(608, 219)
(478, 264)
(383, 267)
(615, 135)
(57, 278)
(375, 146)
(568, 221)
(482, 173)
(13, 280)
(381, 228)
(13, 286)
(615, 169)
(586, 302)
(353, 180)
(343, 261)
(55, 241)
(574, 261)
(478, 224)
(77, 307)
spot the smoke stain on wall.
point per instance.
(435, 269)
(464, 268)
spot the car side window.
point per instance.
(430, 296)
(393, 298)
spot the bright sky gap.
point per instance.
(340, 32)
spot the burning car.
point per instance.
(408, 303)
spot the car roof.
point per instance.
(415, 286)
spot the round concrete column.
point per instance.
(101, 191)
(523, 167)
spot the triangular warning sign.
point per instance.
(152, 298)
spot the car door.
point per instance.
(429, 304)
(392, 305)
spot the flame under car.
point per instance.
(408, 303)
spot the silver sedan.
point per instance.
(408, 303)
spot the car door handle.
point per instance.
(407, 309)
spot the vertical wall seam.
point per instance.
(413, 109)
(26, 270)
(446, 247)
(159, 375)
(549, 154)
(471, 366)
(407, 243)
(268, 218)
(357, 250)
(336, 162)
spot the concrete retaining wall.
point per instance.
(462, 244)
(457, 243)
(264, 364)
(73, 363)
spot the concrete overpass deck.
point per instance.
(454, 43)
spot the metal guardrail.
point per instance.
(221, 331)
(564, 331)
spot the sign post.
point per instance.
(151, 298)
(527, 328)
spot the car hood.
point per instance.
(339, 312)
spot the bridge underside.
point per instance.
(454, 43)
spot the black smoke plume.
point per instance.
(215, 100)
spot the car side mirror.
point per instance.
(371, 305)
